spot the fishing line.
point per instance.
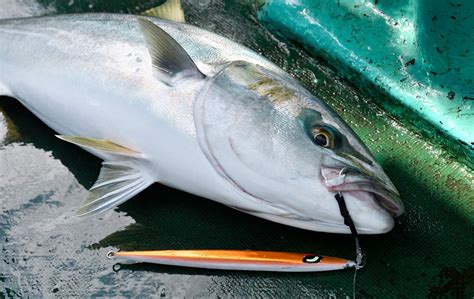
(360, 257)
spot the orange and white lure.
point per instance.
(246, 260)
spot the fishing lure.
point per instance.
(246, 260)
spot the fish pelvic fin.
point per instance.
(169, 60)
(170, 10)
(121, 177)
(118, 181)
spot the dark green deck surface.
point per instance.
(45, 251)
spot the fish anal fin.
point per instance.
(118, 181)
(170, 10)
(100, 145)
(169, 60)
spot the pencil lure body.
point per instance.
(246, 260)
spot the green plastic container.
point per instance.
(415, 57)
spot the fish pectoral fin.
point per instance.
(169, 60)
(170, 10)
(100, 145)
(118, 182)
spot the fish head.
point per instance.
(287, 154)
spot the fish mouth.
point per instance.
(349, 179)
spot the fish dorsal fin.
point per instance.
(170, 10)
(119, 180)
(169, 59)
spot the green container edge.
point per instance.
(322, 27)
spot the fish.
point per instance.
(242, 260)
(166, 102)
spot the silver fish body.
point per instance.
(241, 134)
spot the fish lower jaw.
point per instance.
(367, 213)
(371, 228)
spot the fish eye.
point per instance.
(323, 136)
